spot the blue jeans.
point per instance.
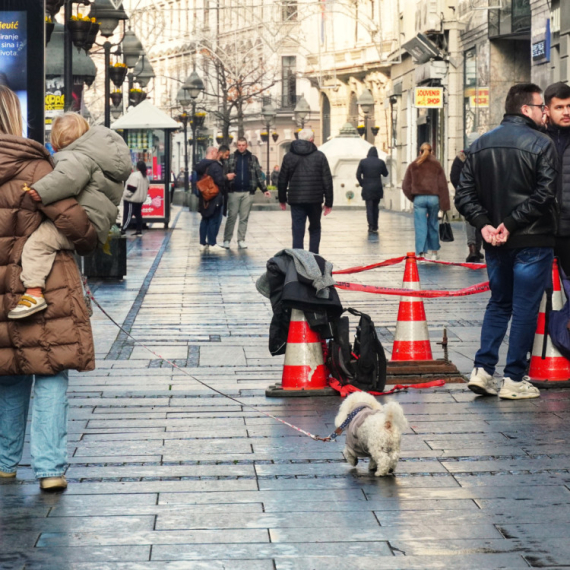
(518, 278)
(426, 225)
(209, 228)
(48, 435)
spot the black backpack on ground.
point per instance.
(364, 364)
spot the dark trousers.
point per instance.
(299, 215)
(210, 226)
(372, 213)
(562, 252)
(131, 209)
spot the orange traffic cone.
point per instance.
(304, 369)
(412, 338)
(548, 368)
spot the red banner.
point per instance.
(154, 205)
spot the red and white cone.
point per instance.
(552, 371)
(412, 337)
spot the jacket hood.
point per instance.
(303, 147)
(203, 165)
(372, 151)
(107, 149)
(16, 153)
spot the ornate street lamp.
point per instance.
(366, 104)
(301, 112)
(143, 71)
(132, 51)
(108, 16)
(269, 113)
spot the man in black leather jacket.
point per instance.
(508, 191)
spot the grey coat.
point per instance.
(92, 169)
(352, 441)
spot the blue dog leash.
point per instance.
(343, 426)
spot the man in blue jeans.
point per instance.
(507, 190)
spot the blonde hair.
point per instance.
(11, 122)
(425, 150)
(66, 129)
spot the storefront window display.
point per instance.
(476, 91)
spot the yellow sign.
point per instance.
(429, 97)
(54, 102)
(478, 96)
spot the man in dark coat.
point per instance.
(557, 99)
(305, 180)
(369, 173)
(211, 211)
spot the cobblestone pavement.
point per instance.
(168, 475)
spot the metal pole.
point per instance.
(67, 59)
(107, 46)
(268, 173)
(186, 177)
(194, 141)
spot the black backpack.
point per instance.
(364, 364)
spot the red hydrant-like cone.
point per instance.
(304, 367)
(553, 369)
(412, 337)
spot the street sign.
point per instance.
(428, 97)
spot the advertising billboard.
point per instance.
(155, 204)
(21, 59)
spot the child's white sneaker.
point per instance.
(27, 305)
(518, 390)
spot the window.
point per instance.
(288, 10)
(289, 81)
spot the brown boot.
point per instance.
(473, 256)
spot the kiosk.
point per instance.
(147, 131)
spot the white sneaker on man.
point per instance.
(226, 245)
(216, 248)
(242, 245)
(204, 248)
(523, 390)
(482, 383)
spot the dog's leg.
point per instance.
(383, 465)
(351, 459)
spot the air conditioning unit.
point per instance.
(429, 16)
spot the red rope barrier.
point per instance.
(431, 294)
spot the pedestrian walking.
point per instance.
(211, 210)
(275, 176)
(369, 175)
(38, 352)
(425, 185)
(557, 99)
(507, 191)
(305, 181)
(474, 239)
(248, 178)
(136, 191)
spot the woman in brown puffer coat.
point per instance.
(47, 344)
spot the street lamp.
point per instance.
(108, 17)
(302, 110)
(366, 104)
(269, 113)
(132, 51)
(187, 96)
(143, 71)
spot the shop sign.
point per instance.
(154, 205)
(428, 97)
(540, 48)
(478, 96)
(54, 102)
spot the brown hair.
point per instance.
(425, 150)
(11, 122)
(66, 129)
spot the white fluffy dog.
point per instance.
(375, 432)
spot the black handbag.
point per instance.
(445, 231)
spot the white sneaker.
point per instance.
(216, 248)
(482, 383)
(242, 245)
(203, 248)
(226, 245)
(28, 305)
(518, 390)
(433, 256)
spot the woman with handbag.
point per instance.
(211, 202)
(136, 191)
(425, 185)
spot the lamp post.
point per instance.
(269, 113)
(108, 17)
(302, 110)
(366, 104)
(132, 51)
(143, 71)
(187, 96)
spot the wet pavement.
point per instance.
(165, 474)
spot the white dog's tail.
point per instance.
(394, 415)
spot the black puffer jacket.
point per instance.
(369, 173)
(305, 170)
(510, 177)
(561, 138)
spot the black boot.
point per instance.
(473, 256)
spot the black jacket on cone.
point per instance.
(510, 177)
(369, 175)
(561, 138)
(305, 176)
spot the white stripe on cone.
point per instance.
(304, 354)
(551, 350)
(411, 330)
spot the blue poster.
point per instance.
(14, 56)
